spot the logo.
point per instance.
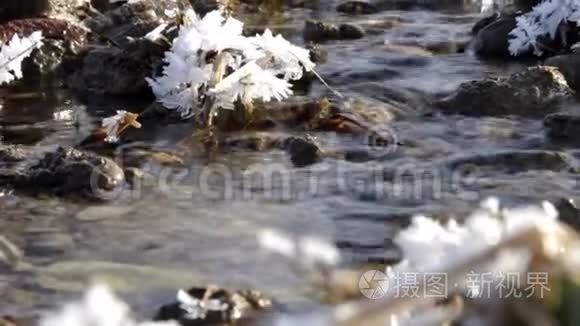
(373, 284)
(383, 142)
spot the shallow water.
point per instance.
(199, 223)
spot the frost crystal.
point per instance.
(543, 20)
(13, 53)
(427, 244)
(260, 66)
(99, 307)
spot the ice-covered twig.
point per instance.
(258, 68)
(116, 124)
(14, 52)
(545, 19)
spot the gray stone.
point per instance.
(357, 8)
(534, 91)
(563, 125)
(351, 31)
(318, 31)
(569, 65)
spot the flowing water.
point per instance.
(199, 224)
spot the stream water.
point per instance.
(199, 224)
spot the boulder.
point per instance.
(569, 65)
(534, 91)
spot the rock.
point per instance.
(534, 91)
(351, 32)
(113, 71)
(68, 171)
(317, 54)
(562, 125)
(356, 8)
(568, 213)
(132, 20)
(22, 9)
(303, 151)
(316, 31)
(515, 161)
(63, 42)
(492, 40)
(11, 154)
(569, 65)
(221, 307)
(484, 22)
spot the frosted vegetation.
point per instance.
(545, 19)
(14, 52)
(244, 68)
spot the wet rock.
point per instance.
(213, 305)
(568, 213)
(316, 31)
(68, 171)
(22, 9)
(113, 71)
(303, 151)
(562, 125)
(515, 161)
(356, 8)
(317, 54)
(534, 91)
(11, 154)
(493, 39)
(133, 19)
(351, 32)
(484, 22)
(569, 65)
(62, 43)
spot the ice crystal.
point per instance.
(99, 307)
(14, 52)
(544, 20)
(260, 67)
(427, 244)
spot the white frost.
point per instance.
(262, 65)
(99, 307)
(428, 245)
(13, 53)
(544, 20)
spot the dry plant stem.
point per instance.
(378, 311)
(220, 64)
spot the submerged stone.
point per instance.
(357, 8)
(562, 125)
(515, 161)
(317, 31)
